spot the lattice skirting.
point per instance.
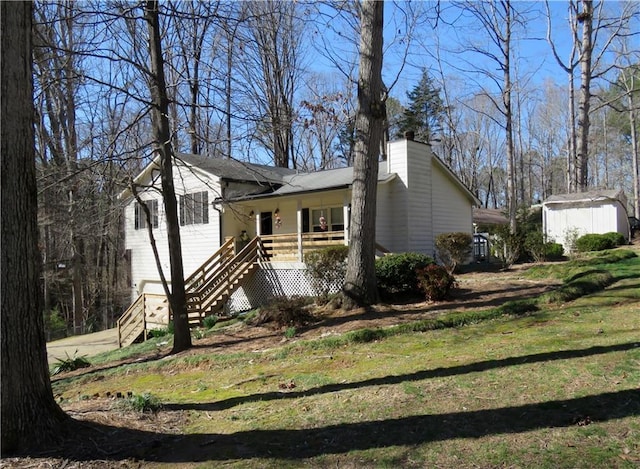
(274, 280)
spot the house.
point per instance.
(230, 208)
(566, 217)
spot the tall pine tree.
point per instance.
(425, 112)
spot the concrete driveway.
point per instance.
(86, 345)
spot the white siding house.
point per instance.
(418, 198)
(566, 217)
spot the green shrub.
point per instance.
(617, 239)
(327, 268)
(539, 250)
(535, 246)
(396, 273)
(55, 325)
(145, 402)
(209, 321)
(70, 363)
(553, 251)
(290, 333)
(453, 249)
(161, 332)
(507, 246)
(285, 312)
(593, 242)
(435, 281)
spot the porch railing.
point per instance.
(284, 247)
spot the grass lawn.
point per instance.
(556, 387)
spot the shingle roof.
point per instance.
(327, 179)
(589, 196)
(230, 169)
(489, 216)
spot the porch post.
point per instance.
(299, 223)
(258, 233)
(345, 216)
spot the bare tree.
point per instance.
(58, 75)
(271, 58)
(497, 20)
(593, 30)
(360, 279)
(30, 415)
(163, 147)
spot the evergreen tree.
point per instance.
(425, 112)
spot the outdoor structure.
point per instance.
(270, 217)
(565, 217)
(482, 242)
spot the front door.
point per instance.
(266, 224)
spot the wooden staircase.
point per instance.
(211, 285)
(149, 311)
(207, 290)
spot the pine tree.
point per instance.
(425, 112)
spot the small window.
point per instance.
(337, 219)
(330, 219)
(141, 217)
(194, 208)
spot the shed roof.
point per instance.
(489, 216)
(590, 196)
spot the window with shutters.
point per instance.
(194, 208)
(141, 217)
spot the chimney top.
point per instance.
(409, 135)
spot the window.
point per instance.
(141, 217)
(337, 219)
(194, 208)
(331, 219)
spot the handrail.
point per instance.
(218, 281)
(138, 316)
(131, 320)
(221, 256)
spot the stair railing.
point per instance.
(208, 286)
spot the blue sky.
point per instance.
(535, 59)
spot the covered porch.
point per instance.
(288, 227)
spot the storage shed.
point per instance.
(565, 217)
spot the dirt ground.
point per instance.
(476, 290)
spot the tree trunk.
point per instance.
(586, 17)
(634, 154)
(360, 279)
(30, 415)
(508, 114)
(162, 144)
(572, 155)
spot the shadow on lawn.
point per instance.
(93, 441)
(417, 376)
(102, 442)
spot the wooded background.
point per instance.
(522, 100)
